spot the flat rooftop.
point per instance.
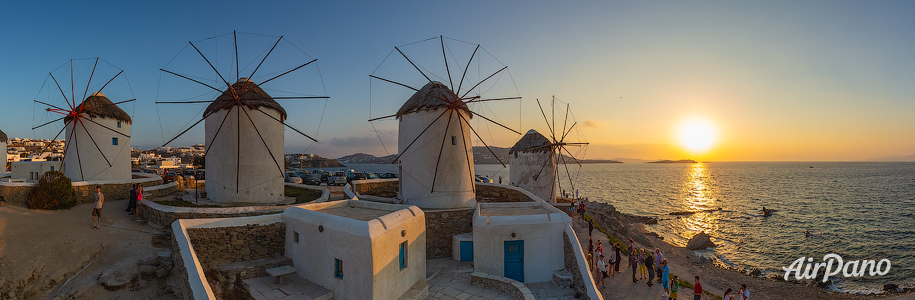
(355, 213)
(513, 211)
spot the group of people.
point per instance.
(578, 207)
(136, 199)
(742, 293)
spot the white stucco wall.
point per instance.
(25, 169)
(524, 167)
(454, 182)
(4, 156)
(541, 233)
(369, 249)
(259, 179)
(82, 152)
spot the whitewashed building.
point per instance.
(98, 149)
(358, 249)
(533, 165)
(4, 140)
(519, 240)
(452, 186)
(31, 171)
(239, 167)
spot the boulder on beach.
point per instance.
(700, 241)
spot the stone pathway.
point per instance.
(294, 287)
(450, 279)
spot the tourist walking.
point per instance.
(602, 270)
(139, 201)
(727, 295)
(600, 247)
(642, 271)
(649, 265)
(665, 272)
(743, 292)
(657, 262)
(500, 179)
(674, 288)
(633, 263)
(132, 199)
(581, 208)
(619, 257)
(591, 228)
(697, 291)
(613, 261)
(97, 211)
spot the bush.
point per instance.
(53, 191)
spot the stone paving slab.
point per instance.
(295, 287)
(453, 282)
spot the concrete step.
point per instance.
(562, 278)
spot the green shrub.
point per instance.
(53, 191)
(302, 195)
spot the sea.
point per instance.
(858, 210)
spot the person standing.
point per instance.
(613, 261)
(97, 210)
(727, 295)
(600, 247)
(697, 291)
(657, 262)
(743, 292)
(500, 179)
(665, 272)
(591, 228)
(602, 270)
(643, 272)
(633, 263)
(132, 200)
(619, 257)
(674, 288)
(139, 200)
(649, 265)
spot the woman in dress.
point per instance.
(139, 200)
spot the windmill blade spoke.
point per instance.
(545, 119)
(90, 78)
(67, 143)
(96, 146)
(287, 125)
(235, 39)
(194, 80)
(545, 162)
(414, 65)
(441, 149)
(110, 80)
(218, 129)
(565, 121)
(410, 87)
(570, 155)
(473, 185)
(447, 70)
(106, 127)
(182, 133)
(79, 160)
(569, 174)
(493, 99)
(265, 56)
(481, 139)
(567, 132)
(494, 122)
(262, 140)
(42, 125)
(379, 118)
(484, 80)
(211, 65)
(49, 105)
(418, 136)
(72, 107)
(467, 67)
(184, 102)
(287, 72)
(576, 144)
(553, 115)
(52, 140)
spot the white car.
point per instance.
(338, 178)
(292, 177)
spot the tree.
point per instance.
(53, 191)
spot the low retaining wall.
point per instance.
(502, 284)
(489, 192)
(386, 188)
(442, 225)
(18, 192)
(163, 215)
(577, 265)
(211, 236)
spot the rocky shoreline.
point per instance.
(622, 227)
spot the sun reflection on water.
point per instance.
(698, 194)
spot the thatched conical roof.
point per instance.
(532, 139)
(429, 97)
(3, 137)
(98, 106)
(252, 96)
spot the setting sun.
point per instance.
(697, 135)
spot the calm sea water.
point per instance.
(861, 211)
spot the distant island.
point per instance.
(667, 161)
(481, 155)
(596, 161)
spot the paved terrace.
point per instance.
(450, 279)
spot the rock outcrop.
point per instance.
(700, 241)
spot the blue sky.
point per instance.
(782, 80)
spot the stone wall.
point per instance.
(503, 284)
(442, 226)
(163, 216)
(578, 283)
(222, 245)
(180, 272)
(15, 193)
(495, 193)
(380, 188)
(85, 193)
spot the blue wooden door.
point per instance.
(466, 250)
(514, 260)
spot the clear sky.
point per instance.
(776, 80)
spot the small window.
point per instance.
(295, 237)
(52, 168)
(403, 255)
(119, 124)
(338, 268)
(114, 141)
(453, 140)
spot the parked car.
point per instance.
(339, 178)
(189, 172)
(169, 177)
(150, 171)
(371, 176)
(136, 171)
(292, 177)
(483, 179)
(325, 175)
(312, 180)
(388, 175)
(355, 176)
(201, 174)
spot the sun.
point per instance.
(697, 135)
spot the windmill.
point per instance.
(435, 131)
(535, 158)
(97, 130)
(244, 126)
